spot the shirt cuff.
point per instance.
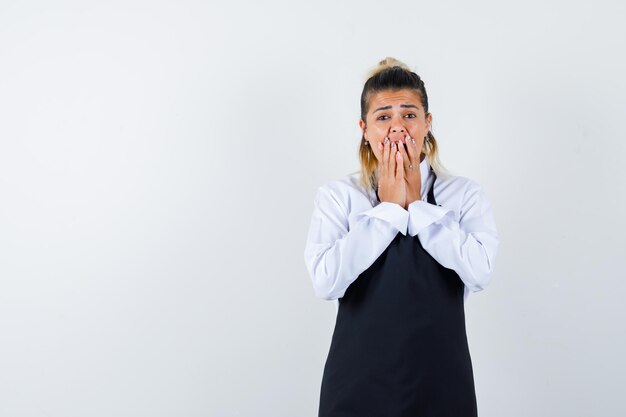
(422, 214)
(392, 213)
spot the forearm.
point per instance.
(335, 254)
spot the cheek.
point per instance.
(378, 134)
(419, 143)
(377, 152)
(420, 129)
(375, 149)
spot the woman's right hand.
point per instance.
(391, 183)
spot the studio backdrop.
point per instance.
(158, 164)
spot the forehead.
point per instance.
(394, 98)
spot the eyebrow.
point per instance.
(401, 105)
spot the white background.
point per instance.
(158, 162)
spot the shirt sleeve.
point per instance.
(468, 246)
(336, 254)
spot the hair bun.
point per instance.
(388, 62)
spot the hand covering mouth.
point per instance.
(397, 137)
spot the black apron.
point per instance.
(399, 347)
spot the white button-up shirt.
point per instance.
(350, 229)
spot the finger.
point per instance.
(379, 164)
(386, 152)
(381, 161)
(405, 157)
(393, 160)
(411, 147)
(400, 165)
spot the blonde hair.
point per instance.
(391, 74)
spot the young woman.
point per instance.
(399, 245)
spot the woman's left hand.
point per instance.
(412, 176)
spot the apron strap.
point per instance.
(431, 194)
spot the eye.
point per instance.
(409, 116)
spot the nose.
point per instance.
(397, 132)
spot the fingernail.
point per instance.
(386, 140)
(413, 141)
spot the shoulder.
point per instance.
(456, 183)
(461, 193)
(342, 191)
(349, 183)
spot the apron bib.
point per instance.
(399, 347)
